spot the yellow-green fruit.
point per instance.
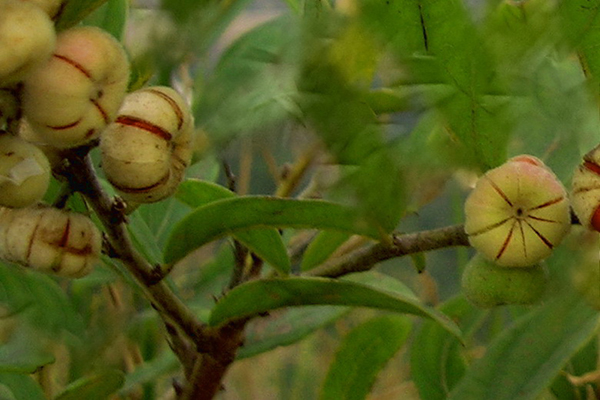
(49, 240)
(487, 284)
(50, 7)
(70, 100)
(27, 39)
(146, 150)
(24, 172)
(517, 213)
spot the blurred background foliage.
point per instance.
(391, 106)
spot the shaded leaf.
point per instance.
(266, 243)
(228, 216)
(523, 360)
(24, 352)
(321, 248)
(97, 387)
(362, 354)
(39, 299)
(256, 297)
(436, 361)
(23, 387)
(287, 327)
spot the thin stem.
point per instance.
(365, 258)
(82, 177)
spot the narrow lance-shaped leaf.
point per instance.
(437, 362)
(98, 386)
(228, 216)
(362, 354)
(523, 360)
(256, 297)
(266, 243)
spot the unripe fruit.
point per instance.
(486, 284)
(146, 150)
(50, 7)
(24, 172)
(517, 213)
(585, 194)
(70, 100)
(27, 40)
(50, 240)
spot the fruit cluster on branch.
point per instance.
(65, 91)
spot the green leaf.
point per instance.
(74, 11)
(24, 352)
(196, 193)
(581, 25)
(111, 17)
(287, 327)
(523, 360)
(266, 243)
(22, 387)
(254, 82)
(150, 371)
(321, 248)
(362, 354)
(228, 216)
(260, 296)
(39, 299)
(97, 387)
(436, 359)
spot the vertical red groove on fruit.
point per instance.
(173, 104)
(101, 110)
(75, 64)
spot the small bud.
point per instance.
(24, 172)
(27, 40)
(517, 213)
(486, 284)
(585, 194)
(49, 240)
(50, 7)
(146, 150)
(72, 98)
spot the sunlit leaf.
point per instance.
(524, 359)
(111, 17)
(74, 11)
(260, 296)
(363, 353)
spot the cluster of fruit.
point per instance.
(64, 90)
(515, 216)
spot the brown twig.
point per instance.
(81, 175)
(365, 258)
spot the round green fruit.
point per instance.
(486, 285)
(517, 213)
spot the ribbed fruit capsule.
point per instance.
(49, 240)
(70, 100)
(27, 39)
(24, 172)
(585, 193)
(517, 213)
(146, 150)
